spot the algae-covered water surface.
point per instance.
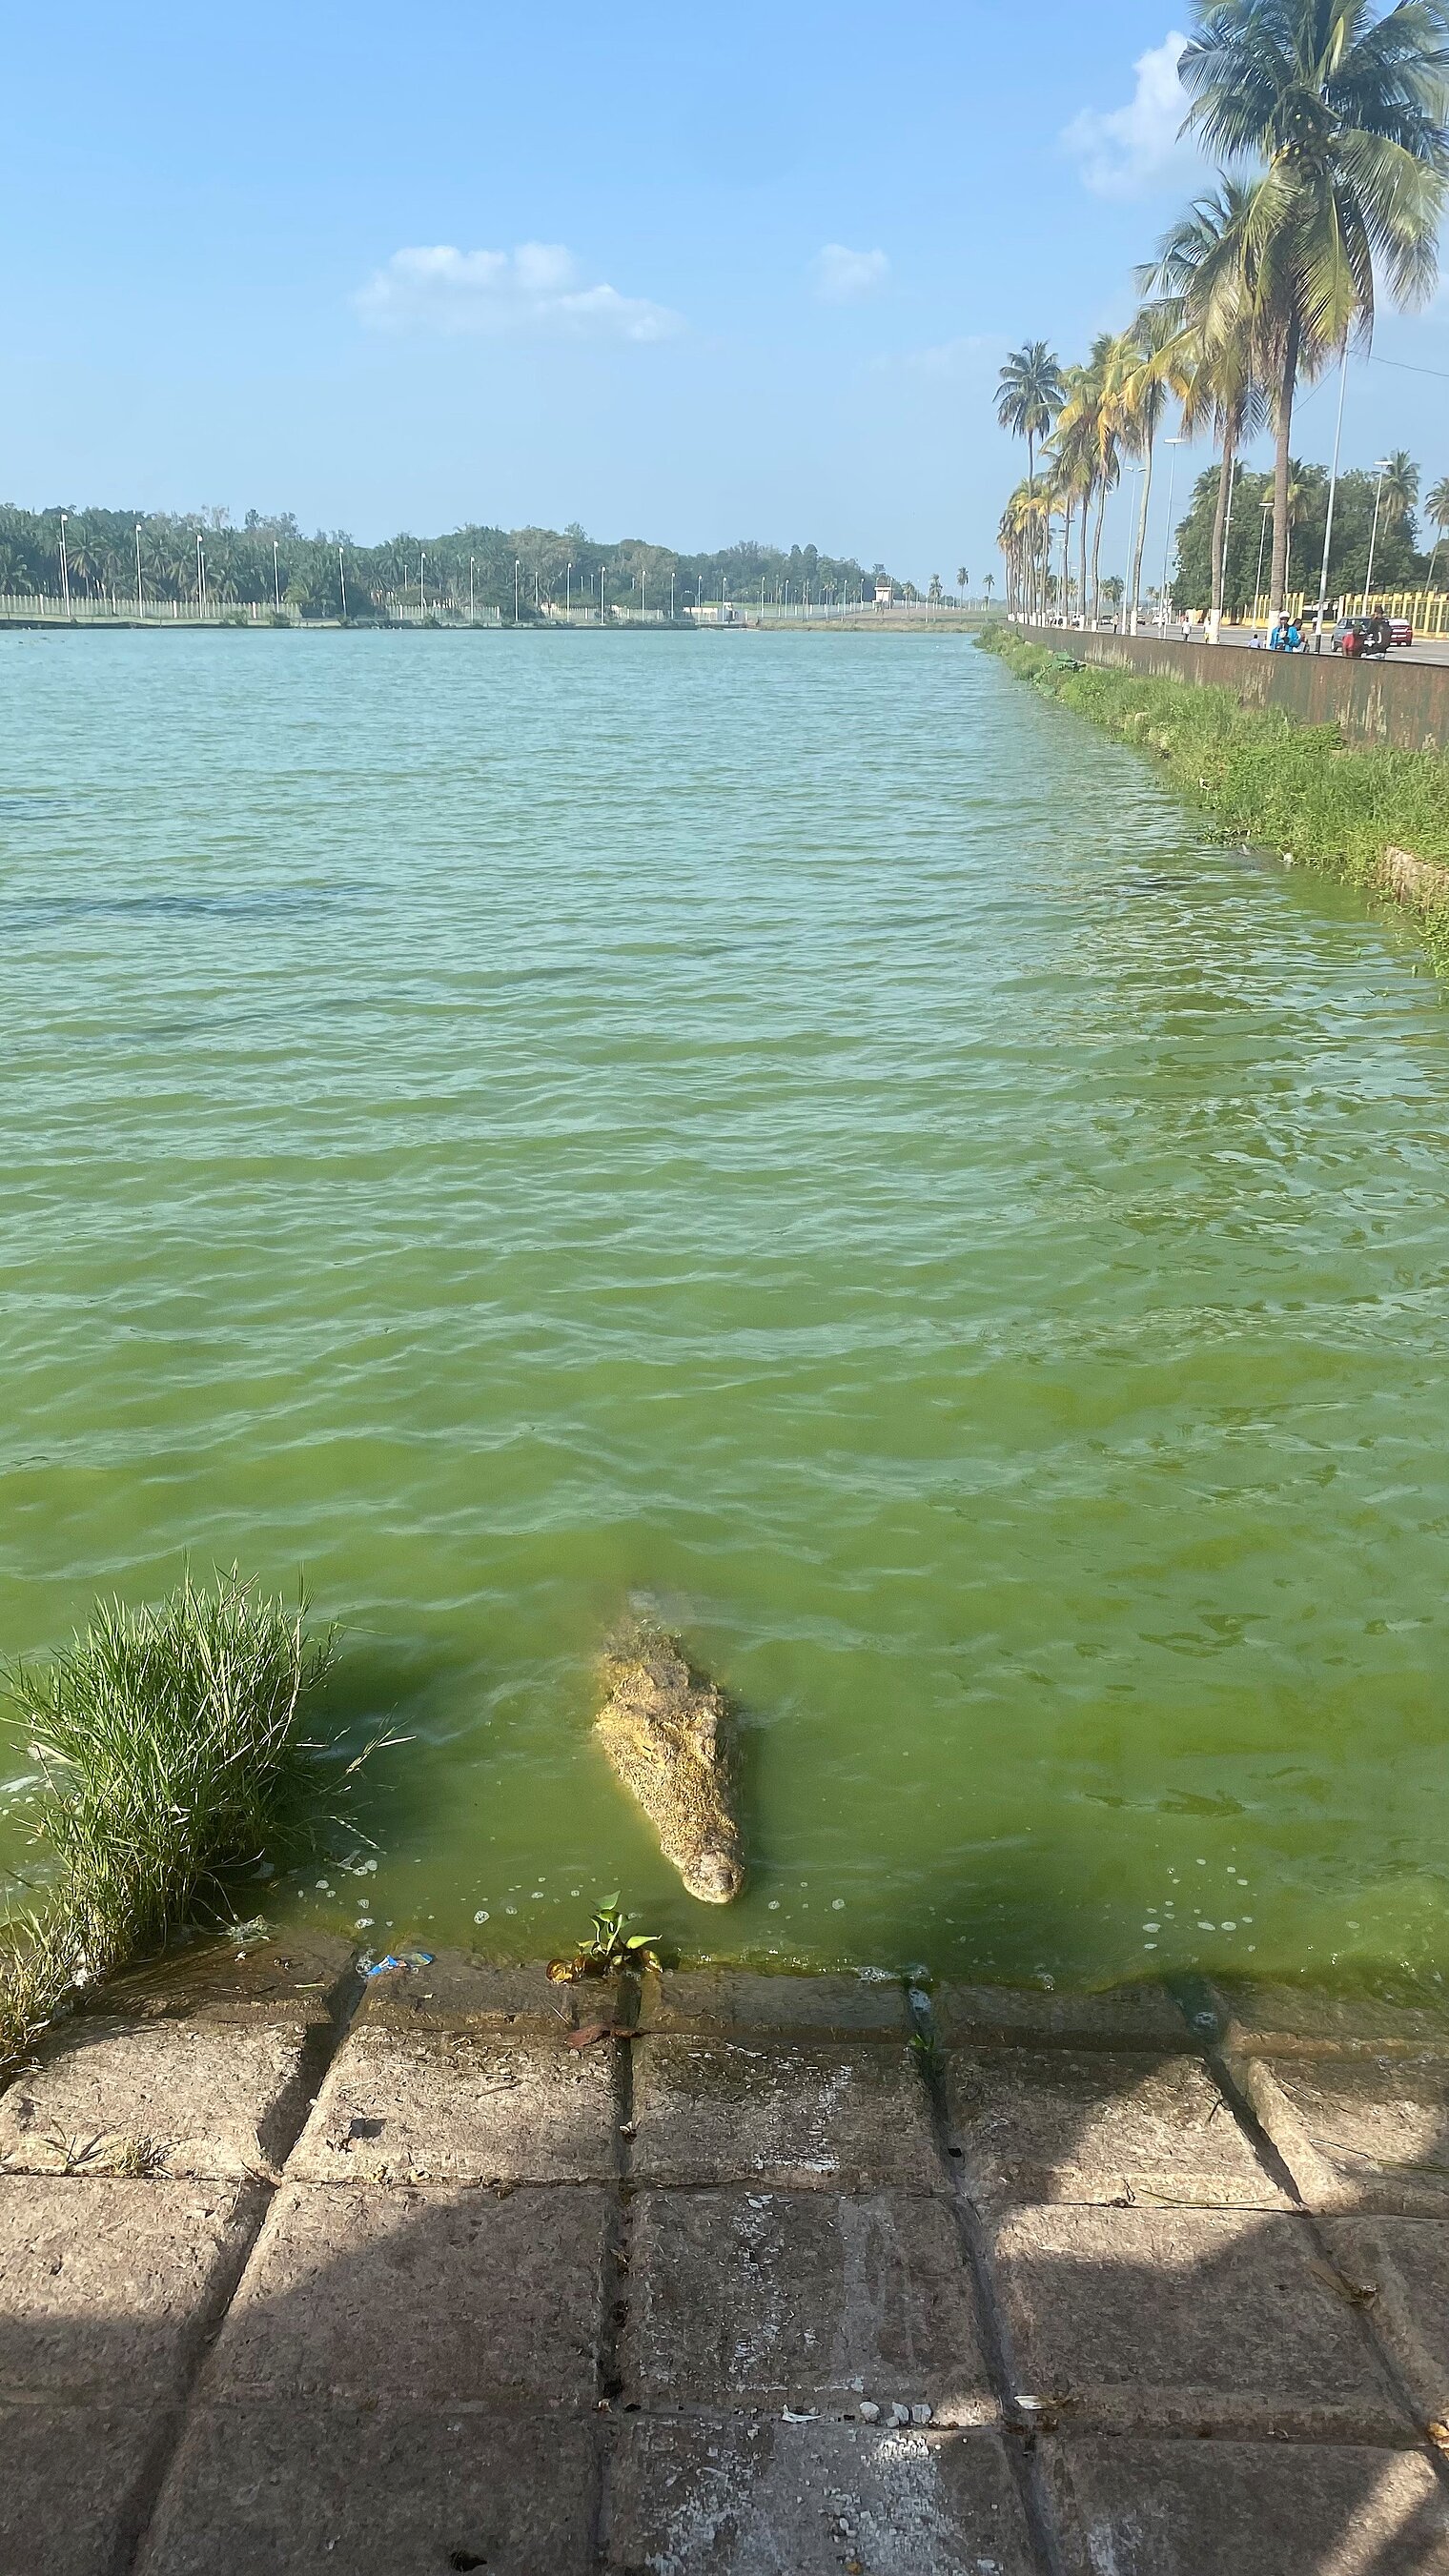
(791, 1128)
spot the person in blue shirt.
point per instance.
(1278, 640)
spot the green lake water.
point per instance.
(792, 1128)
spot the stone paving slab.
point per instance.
(802, 2299)
(712, 2002)
(1195, 2320)
(1301, 2021)
(447, 2293)
(462, 2108)
(303, 1978)
(1100, 2125)
(750, 2498)
(813, 2116)
(76, 2482)
(171, 2097)
(1246, 2509)
(1399, 2269)
(1131, 2017)
(375, 2491)
(459, 1992)
(112, 2285)
(1369, 2134)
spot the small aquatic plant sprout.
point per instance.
(608, 1948)
(170, 1752)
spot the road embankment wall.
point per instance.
(1402, 703)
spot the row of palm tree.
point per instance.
(1331, 121)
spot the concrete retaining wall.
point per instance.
(1404, 703)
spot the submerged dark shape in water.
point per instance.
(666, 1732)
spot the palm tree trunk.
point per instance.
(1220, 531)
(1082, 555)
(1031, 523)
(1141, 540)
(1284, 427)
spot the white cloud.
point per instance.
(535, 290)
(843, 276)
(1126, 151)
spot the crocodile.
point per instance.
(666, 1731)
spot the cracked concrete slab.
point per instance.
(459, 1992)
(77, 2483)
(1134, 2508)
(814, 2116)
(446, 2291)
(460, 2107)
(710, 2002)
(802, 2299)
(1370, 2134)
(1302, 2021)
(113, 2285)
(1129, 2017)
(748, 2497)
(1398, 2269)
(1100, 2125)
(391, 2490)
(182, 2098)
(1192, 2320)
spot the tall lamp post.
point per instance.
(422, 559)
(472, 573)
(568, 594)
(1174, 444)
(342, 584)
(140, 604)
(1332, 496)
(64, 567)
(1380, 470)
(276, 580)
(1265, 507)
(515, 589)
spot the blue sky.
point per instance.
(693, 275)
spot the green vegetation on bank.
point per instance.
(268, 561)
(169, 1754)
(1296, 788)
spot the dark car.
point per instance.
(1357, 636)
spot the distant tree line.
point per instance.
(1400, 561)
(268, 561)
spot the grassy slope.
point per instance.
(1296, 788)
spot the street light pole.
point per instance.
(569, 596)
(1332, 496)
(342, 579)
(422, 559)
(64, 567)
(515, 590)
(1174, 444)
(276, 581)
(1380, 470)
(471, 575)
(1265, 507)
(140, 604)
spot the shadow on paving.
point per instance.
(761, 2290)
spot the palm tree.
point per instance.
(1347, 108)
(1143, 369)
(1436, 510)
(988, 582)
(1202, 272)
(1028, 399)
(963, 582)
(1075, 448)
(1400, 490)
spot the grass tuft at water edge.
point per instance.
(169, 1745)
